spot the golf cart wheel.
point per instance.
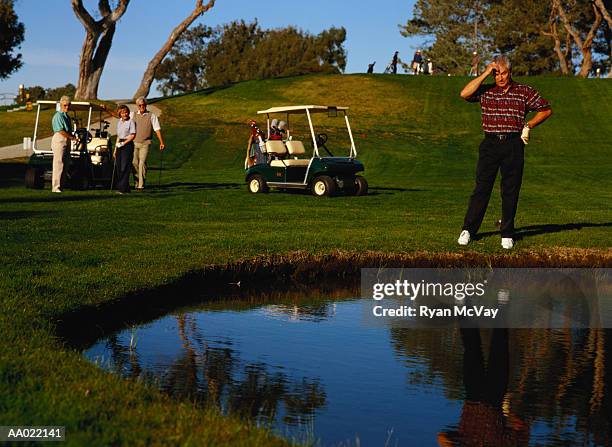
(323, 186)
(361, 185)
(257, 184)
(34, 178)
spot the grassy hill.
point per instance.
(418, 141)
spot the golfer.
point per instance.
(146, 124)
(505, 106)
(62, 135)
(124, 149)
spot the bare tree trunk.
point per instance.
(149, 74)
(608, 18)
(554, 33)
(585, 45)
(97, 44)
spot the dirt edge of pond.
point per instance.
(296, 272)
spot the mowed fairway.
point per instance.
(418, 141)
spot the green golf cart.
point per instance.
(90, 162)
(282, 163)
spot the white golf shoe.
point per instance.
(507, 243)
(464, 238)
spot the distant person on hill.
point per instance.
(60, 143)
(124, 149)
(429, 67)
(505, 106)
(394, 62)
(474, 64)
(371, 67)
(417, 60)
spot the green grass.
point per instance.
(418, 141)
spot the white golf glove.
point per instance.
(525, 135)
(121, 144)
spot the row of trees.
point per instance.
(569, 36)
(11, 36)
(38, 92)
(239, 51)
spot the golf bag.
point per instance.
(256, 146)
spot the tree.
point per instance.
(98, 41)
(149, 74)
(582, 36)
(11, 36)
(183, 69)
(57, 92)
(241, 51)
(455, 27)
(522, 29)
(35, 93)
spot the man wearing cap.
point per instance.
(505, 106)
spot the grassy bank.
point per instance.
(61, 253)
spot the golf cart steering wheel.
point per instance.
(321, 140)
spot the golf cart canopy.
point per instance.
(303, 109)
(75, 106)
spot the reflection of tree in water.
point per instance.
(214, 375)
(125, 358)
(558, 376)
(314, 313)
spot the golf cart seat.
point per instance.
(276, 148)
(294, 147)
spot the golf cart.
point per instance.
(276, 163)
(90, 162)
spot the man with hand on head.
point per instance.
(505, 106)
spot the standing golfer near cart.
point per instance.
(60, 143)
(505, 106)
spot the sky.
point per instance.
(54, 36)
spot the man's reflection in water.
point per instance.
(485, 418)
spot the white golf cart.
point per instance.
(279, 163)
(90, 157)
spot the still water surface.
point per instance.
(315, 372)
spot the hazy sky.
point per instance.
(54, 36)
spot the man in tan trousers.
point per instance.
(146, 124)
(60, 143)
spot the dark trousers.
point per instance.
(508, 157)
(125, 155)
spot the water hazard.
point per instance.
(314, 373)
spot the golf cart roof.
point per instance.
(302, 109)
(77, 106)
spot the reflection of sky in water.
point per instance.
(370, 382)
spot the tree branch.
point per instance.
(84, 17)
(147, 79)
(568, 26)
(591, 35)
(604, 12)
(119, 10)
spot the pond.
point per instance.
(313, 372)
